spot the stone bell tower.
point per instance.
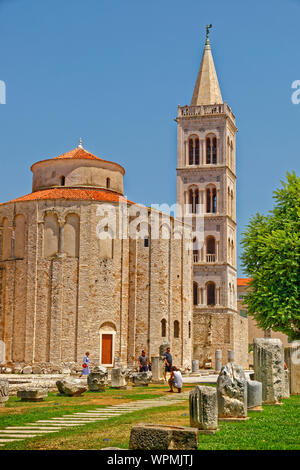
(206, 189)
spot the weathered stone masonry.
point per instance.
(67, 289)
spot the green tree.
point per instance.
(271, 255)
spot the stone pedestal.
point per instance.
(157, 369)
(292, 359)
(32, 395)
(218, 360)
(232, 393)
(4, 392)
(254, 395)
(269, 368)
(97, 379)
(155, 437)
(141, 379)
(204, 409)
(118, 378)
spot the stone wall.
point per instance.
(222, 331)
(54, 307)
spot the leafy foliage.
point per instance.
(271, 259)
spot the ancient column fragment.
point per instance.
(204, 408)
(292, 359)
(98, 379)
(157, 370)
(254, 395)
(160, 437)
(232, 392)
(218, 360)
(118, 378)
(4, 392)
(269, 368)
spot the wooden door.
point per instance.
(106, 352)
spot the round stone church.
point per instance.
(66, 287)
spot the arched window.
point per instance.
(19, 236)
(210, 249)
(208, 200)
(197, 152)
(176, 329)
(194, 150)
(211, 293)
(195, 250)
(214, 151)
(163, 327)
(211, 199)
(6, 239)
(211, 150)
(71, 235)
(51, 235)
(107, 183)
(214, 200)
(191, 152)
(195, 293)
(208, 151)
(193, 200)
(190, 329)
(62, 180)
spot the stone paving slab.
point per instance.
(10, 440)
(23, 431)
(18, 436)
(61, 424)
(56, 424)
(33, 428)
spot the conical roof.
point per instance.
(207, 89)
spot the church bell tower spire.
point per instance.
(206, 189)
(207, 89)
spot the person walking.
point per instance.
(175, 380)
(143, 362)
(168, 362)
(85, 365)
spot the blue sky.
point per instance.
(114, 71)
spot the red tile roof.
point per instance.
(73, 194)
(243, 281)
(78, 154)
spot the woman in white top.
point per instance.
(175, 380)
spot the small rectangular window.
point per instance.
(146, 242)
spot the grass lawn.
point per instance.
(276, 428)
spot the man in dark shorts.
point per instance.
(143, 362)
(168, 362)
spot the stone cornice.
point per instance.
(213, 310)
(206, 168)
